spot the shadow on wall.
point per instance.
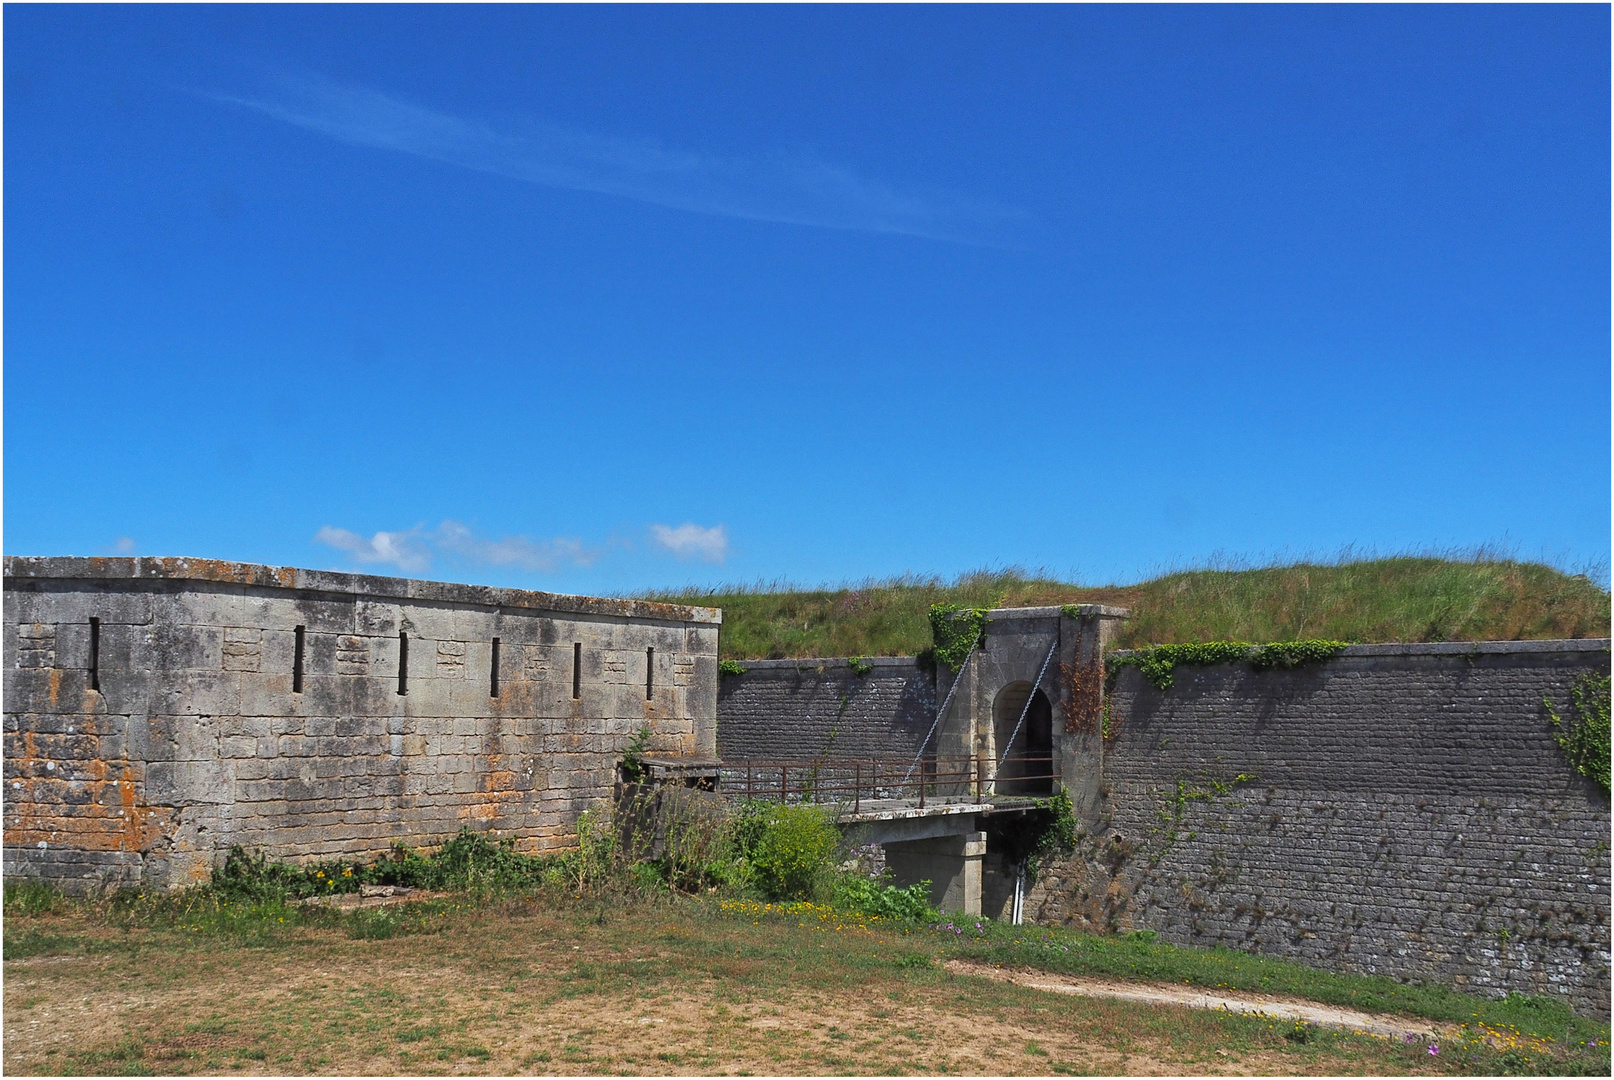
(1023, 722)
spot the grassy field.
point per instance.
(1394, 599)
(560, 983)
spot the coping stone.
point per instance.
(219, 571)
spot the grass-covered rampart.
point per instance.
(1405, 598)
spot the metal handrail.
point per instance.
(855, 779)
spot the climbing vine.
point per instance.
(1049, 829)
(1081, 704)
(730, 667)
(1584, 737)
(1059, 834)
(1156, 664)
(1190, 789)
(956, 631)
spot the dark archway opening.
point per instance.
(1030, 766)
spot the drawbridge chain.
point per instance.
(941, 712)
(1027, 707)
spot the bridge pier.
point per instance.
(941, 843)
(952, 865)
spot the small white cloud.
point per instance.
(690, 540)
(401, 549)
(517, 551)
(124, 545)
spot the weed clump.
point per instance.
(470, 861)
(29, 896)
(790, 847)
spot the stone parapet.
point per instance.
(159, 711)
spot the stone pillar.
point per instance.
(952, 865)
(1085, 634)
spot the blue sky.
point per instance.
(597, 299)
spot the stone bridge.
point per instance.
(942, 842)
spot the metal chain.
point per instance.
(1027, 708)
(941, 712)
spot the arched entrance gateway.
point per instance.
(1023, 734)
(1016, 720)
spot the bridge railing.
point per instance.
(860, 780)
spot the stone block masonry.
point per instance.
(1400, 810)
(824, 708)
(152, 719)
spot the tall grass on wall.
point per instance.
(1479, 597)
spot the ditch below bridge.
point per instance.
(959, 824)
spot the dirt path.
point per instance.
(1274, 1005)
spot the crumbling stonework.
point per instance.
(155, 716)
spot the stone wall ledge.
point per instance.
(826, 664)
(20, 568)
(1462, 648)
(1010, 614)
(1413, 648)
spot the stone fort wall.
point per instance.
(824, 708)
(157, 712)
(1399, 810)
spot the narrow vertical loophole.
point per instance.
(493, 678)
(649, 674)
(403, 662)
(95, 653)
(577, 670)
(297, 662)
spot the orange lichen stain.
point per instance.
(498, 788)
(496, 778)
(55, 686)
(501, 782)
(113, 819)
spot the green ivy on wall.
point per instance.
(1156, 664)
(1047, 831)
(1293, 654)
(956, 631)
(1584, 737)
(730, 667)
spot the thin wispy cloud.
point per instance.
(414, 550)
(780, 188)
(405, 550)
(692, 541)
(517, 551)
